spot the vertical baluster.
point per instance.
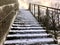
(38, 13)
(34, 10)
(52, 18)
(58, 17)
(31, 9)
(29, 6)
(53, 23)
(47, 18)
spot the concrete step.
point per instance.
(28, 35)
(21, 28)
(26, 32)
(32, 24)
(34, 37)
(32, 44)
(20, 25)
(42, 30)
(30, 41)
(24, 25)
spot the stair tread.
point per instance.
(23, 25)
(42, 30)
(29, 27)
(29, 35)
(13, 38)
(28, 41)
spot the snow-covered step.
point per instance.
(42, 30)
(18, 22)
(28, 27)
(26, 31)
(34, 44)
(25, 25)
(23, 22)
(30, 41)
(27, 35)
(14, 36)
(34, 37)
(26, 22)
(20, 25)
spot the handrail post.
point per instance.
(30, 6)
(58, 17)
(38, 13)
(54, 28)
(34, 10)
(47, 17)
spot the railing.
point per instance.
(49, 16)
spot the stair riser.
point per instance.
(14, 38)
(25, 32)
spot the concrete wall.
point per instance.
(7, 12)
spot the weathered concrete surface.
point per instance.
(25, 22)
(6, 15)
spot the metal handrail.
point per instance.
(32, 7)
(45, 6)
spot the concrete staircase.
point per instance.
(27, 32)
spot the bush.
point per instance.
(46, 22)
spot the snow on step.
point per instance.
(28, 27)
(18, 22)
(20, 25)
(29, 41)
(28, 35)
(25, 23)
(28, 30)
